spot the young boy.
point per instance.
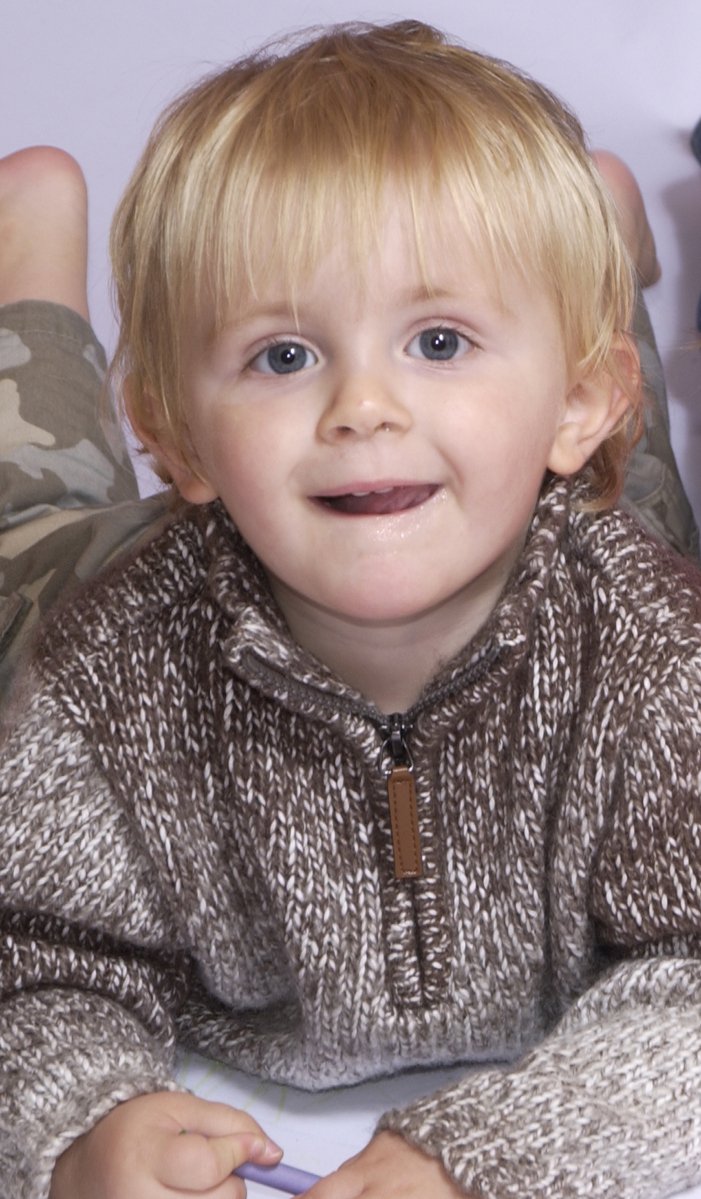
(386, 752)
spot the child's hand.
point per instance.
(138, 1151)
(388, 1168)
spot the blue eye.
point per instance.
(283, 358)
(438, 344)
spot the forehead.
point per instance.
(415, 244)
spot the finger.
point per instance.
(193, 1114)
(233, 1188)
(230, 1152)
(193, 1162)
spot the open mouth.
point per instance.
(383, 502)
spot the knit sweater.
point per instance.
(197, 848)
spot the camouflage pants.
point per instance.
(68, 495)
(653, 488)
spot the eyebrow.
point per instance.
(417, 295)
(230, 327)
(284, 310)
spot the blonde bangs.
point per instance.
(310, 172)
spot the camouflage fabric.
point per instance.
(68, 495)
(653, 488)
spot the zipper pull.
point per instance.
(401, 796)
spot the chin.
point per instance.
(387, 609)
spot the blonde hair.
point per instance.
(249, 170)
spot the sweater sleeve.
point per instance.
(608, 1106)
(89, 991)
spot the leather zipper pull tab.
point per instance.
(404, 819)
(401, 796)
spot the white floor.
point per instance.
(318, 1130)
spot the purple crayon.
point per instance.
(287, 1179)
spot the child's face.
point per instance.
(382, 448)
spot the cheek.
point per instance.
(230, 445)
(527, 427)
(498, 440)
(249, 464)
(502, 459)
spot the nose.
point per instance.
(360, 406)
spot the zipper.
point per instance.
(394, 751)
(401, 796)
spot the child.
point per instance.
(385, 753)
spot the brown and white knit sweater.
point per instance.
(196, 846)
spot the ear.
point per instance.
(171, 462)
(594, 407)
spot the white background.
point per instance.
(91, 76)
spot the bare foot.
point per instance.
(632, 216)
(43, 228)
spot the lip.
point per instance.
(380, 498)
